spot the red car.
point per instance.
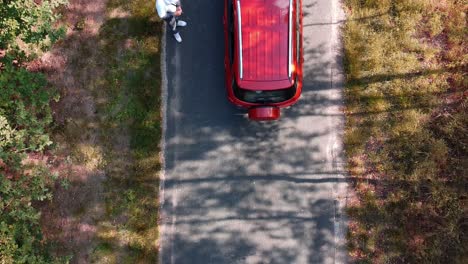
(264, 55)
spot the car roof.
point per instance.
(265, 49)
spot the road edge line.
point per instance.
(162, 173)
(337, 77)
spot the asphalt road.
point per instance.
(236, 191)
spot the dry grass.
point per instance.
(131, 133)
(108, 129)
(406, 132)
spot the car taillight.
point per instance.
(264, 113)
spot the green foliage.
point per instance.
(25, 24)
(20, 234)
(24, 101)
(20, 187)
(25, 116)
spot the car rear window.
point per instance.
(267, 96)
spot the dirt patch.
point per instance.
(107, 133)
(70, 220)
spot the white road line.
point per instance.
(175, 110)
(339, 188)
(162, 174)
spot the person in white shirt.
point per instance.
(169, 11)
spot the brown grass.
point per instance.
(107, 133)
(406, 132)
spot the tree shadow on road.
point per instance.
(238, 191)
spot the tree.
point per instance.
(25, 115)
(26, 25)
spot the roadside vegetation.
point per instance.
(26, 29)
(131, 85)
(108, 130)
(407, 130)
(80, 127)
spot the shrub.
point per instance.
(26, 25)
(25, 116)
